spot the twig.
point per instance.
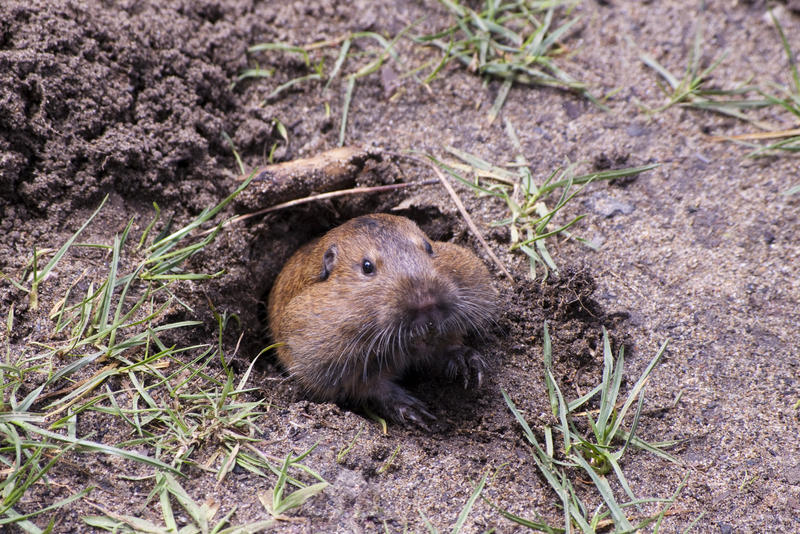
(321, 196)
(468, 219)
(758, 135)
(459, 205)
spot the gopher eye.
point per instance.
(367, 267)
(428, 248)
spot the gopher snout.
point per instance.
(428, 312)
(426, 305)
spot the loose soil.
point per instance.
(131, 99)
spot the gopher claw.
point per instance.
(465, 362)
(400, 406)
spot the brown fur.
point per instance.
(348, 334)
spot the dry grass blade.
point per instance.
(470, 223)
(325, 196)
(757, 135)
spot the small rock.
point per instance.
(792, 475)
(350, 484)
(573, 109)
(609, 207)
(636, 130)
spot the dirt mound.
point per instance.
(132, 100)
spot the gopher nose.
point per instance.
(427, 310)
(427, 304)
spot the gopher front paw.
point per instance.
(400, 406)
(465, 362)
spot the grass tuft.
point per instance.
(108, 355)
(788, 98)
(595, 455)
(514, 42)
(692, 90)
(279, 504)
(530, 220)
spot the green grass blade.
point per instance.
(103, 312)
(38, 276)
(520, 419)
(114, 521)
(283, 47)
(637, 388)
(547, 351)
(24, 524)
(623, 481)
(254, 73)
(58, 255)
(505, 87)
(634, 425)
(533, 525)
(339, 61)
(603, 487)
(792, 190)
(14, 282)
(445, 59)
(167, 242)
(98, 447)
(56, 505)
(298, 497)
(641, 444)
(789, 54)
(577, 403)
(291, 83)
(608, 394)
(556, 34)
(257, 526)
(545, 254)
(597, 176)
(348, 96)
(656, 66)
(462, 517)
(539, 237)
(187, 503)
(239, 165)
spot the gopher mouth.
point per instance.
(423, 330)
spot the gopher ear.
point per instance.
(328, 261)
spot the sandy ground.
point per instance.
(131, 99)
